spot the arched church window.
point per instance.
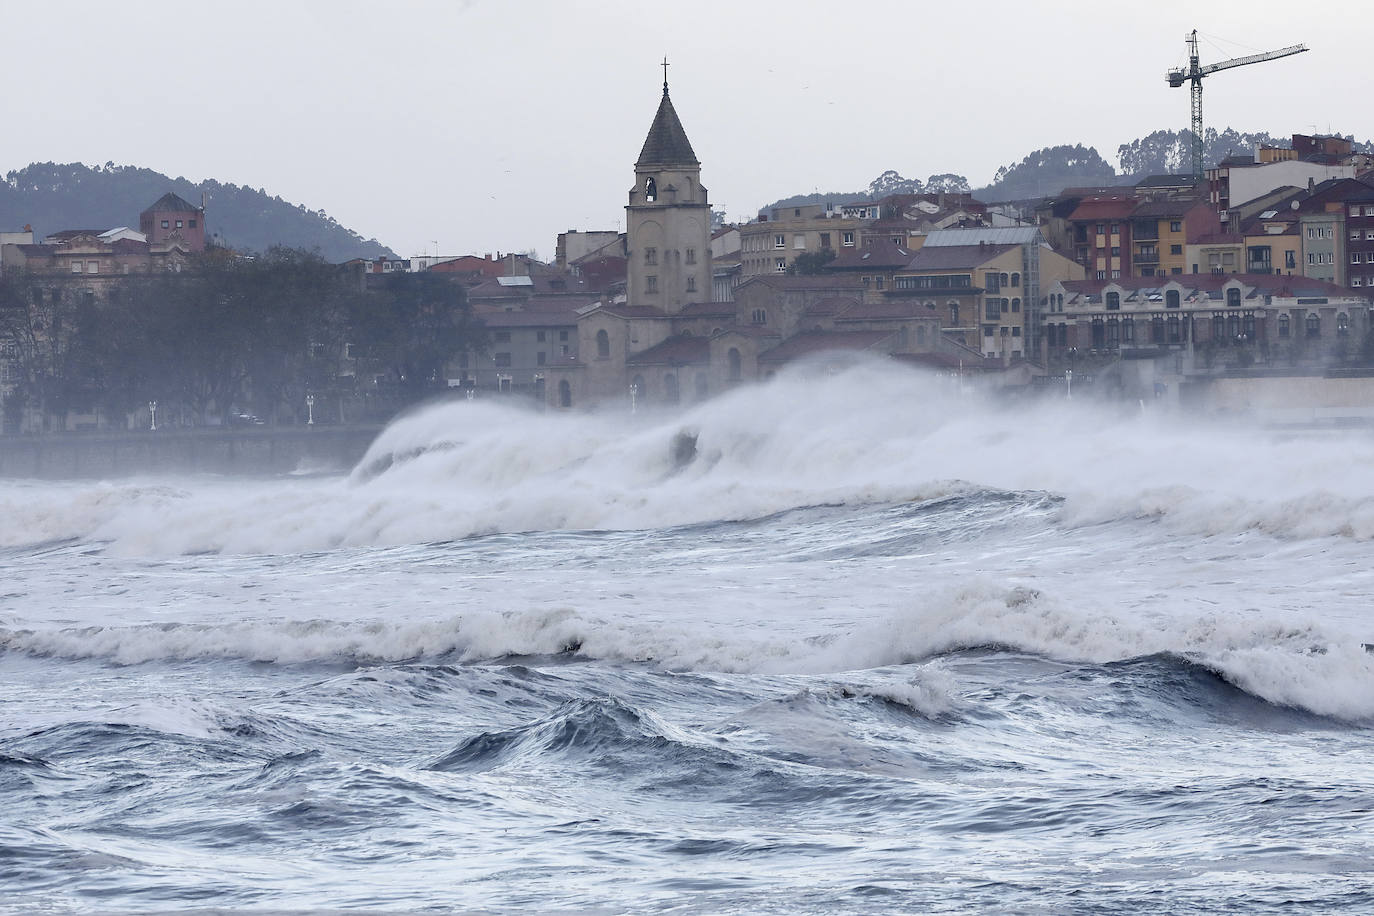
(603, 344)
(651, 190)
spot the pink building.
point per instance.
(173, 217)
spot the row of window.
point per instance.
(651, 282)
(1113, 331)
(989, 330)
(689, 255)
(540, 336)
(90, 267)
(1355, 210)
(993, 282)
(190, 224)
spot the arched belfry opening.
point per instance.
(650, 190)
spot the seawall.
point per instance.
(245, 451)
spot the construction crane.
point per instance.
(1195, 73)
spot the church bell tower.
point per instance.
(668, 219)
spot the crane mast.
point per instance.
(1194, 74)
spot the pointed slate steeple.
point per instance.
(667, 143)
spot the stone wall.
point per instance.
(252, 451)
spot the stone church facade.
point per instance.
(668, 343)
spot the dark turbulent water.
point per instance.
(964, 660)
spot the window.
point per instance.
(735, 364)
(1171, 299)
(190, 224)
(1116, 251)
(501, 337)
(825, 239)
(780, 266)
(1283, 326)
(799, 242)
(164, 224)
(651, 284)
(562, 335)
(1116, 228)
(1128, 330)
(539, 336)
(1368, 210)
(1233, 296)
(650, 255)
(1369, 235)
(1174, 326)
(651, 190)
(1311, 259)
(1101, 275)
(1002, 279)
(503, 360)
(77, 267)
(691, 257)
(1116, 275)
(691, 284)
(178, 224)
(1113, 301)
(878, 282)
(1354, 235)
(539, 358)
(1015, 332)
(1176, 226)
(1290, 259)
(779, 241)
(1354, 257)
(1101, 228)
(848, 239)
(92, 267)
(1015, 280)
(1314, 325)
(564, 394)
(603, 345)
(1016, 305)
(987, 330)
(1175, 249)
(991, 309)
(954, 314)
(1354, 281)
(758, 316)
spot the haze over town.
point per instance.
(493, 126)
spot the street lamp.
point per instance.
(1068, 375)
(152, 413)
(310, 410)
(634, 397)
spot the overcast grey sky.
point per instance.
(495, 124)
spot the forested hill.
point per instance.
(53, 197)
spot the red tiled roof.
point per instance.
(681, 350)
(888, 308)
(1104, 208)
(707, 309)
(956, 257)
(831, 305)
(812, 342)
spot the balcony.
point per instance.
(1147, 256)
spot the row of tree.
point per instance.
(228, 335)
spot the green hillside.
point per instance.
(51, 197)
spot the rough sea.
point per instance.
(874, 645)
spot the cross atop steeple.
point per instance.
(665, 74)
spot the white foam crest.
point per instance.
(871, 433)
(1320, 667)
